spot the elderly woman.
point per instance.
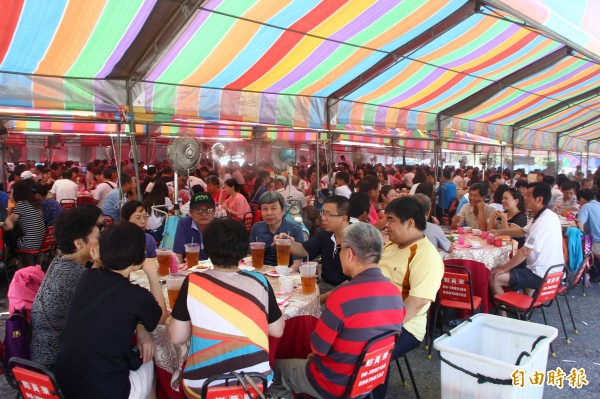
(272, 211)
(135, 212)
(225, 303)
(76, 233)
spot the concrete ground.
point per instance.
(583, 352)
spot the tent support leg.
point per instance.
(133, 144)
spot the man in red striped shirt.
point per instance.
(363, 308)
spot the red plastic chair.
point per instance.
(248, 221)
(68, 203)
(46, 249)
(245, 385)
(373, 365)
(523, 306)
(571, 282)
(456, 292)
(480, 277)
(35, 381)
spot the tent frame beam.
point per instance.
(564, 104)
(460, 15)
(491, 90)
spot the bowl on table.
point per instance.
(476, 232)
(282, 270)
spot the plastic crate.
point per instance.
(489, 347)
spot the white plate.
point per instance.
(246, 267)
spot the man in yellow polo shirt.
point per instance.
(412, 262)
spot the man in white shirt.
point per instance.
(542, 249)
(64, 188)
(407, 179)
(104, 187)
(341, 180)
(568, 201)
(290, 191)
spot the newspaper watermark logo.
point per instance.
(557, 378)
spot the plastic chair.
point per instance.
(245, 385)
(456, 292)
(372, 366)
(522, 306)
(68, 203)
(571, 282)
(480, 277)
(410, 374)
(248, 220)
(47, 248)
(34, 380)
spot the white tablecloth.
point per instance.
(489, 255)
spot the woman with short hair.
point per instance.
(236, 204)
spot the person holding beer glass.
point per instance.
(272, 209)
(232, 312)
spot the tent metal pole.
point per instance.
(133, 143)
(118, 163)
(148, 150)
(512, 155)
(557, 154)
(587, 160)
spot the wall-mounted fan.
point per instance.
(358, 157)
(184, 154)
(218, 151)
(109, 152)
(282, 155)
(463, 161)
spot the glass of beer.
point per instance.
(173, 286)
(257, 250)
(308, 276)
(163, 256)
(192, 254)
(284, 246)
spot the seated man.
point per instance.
(542, 249)
(350, 320)
(341, 180)
(412, 263)
(191, 228)
(476, 213)
(110, 206)
(360, 204)
(433, 232)
(232, 313)
(272, 210)
(334, 220)
(568, 202)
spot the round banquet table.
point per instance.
(300, 311)
(489, 255)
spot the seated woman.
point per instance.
(76, 233)
(514, 214)
(159, 197)
(225, 304)
(135, 212)
(28, 215)
(236, 204)
(92, 361)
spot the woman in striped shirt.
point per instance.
(28, 215)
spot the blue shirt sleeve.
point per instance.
(150, 246)
(298, 236)
(583, 214)
(180, 238)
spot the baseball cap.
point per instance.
(202, 199)
(27, 175)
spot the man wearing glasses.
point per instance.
(191, 227)
(326, 243)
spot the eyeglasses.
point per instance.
(203, 211)
(101, 225)
(329, 215)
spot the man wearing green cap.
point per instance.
(191, 227)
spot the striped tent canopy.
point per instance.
(522, 71)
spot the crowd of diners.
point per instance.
(377, 234)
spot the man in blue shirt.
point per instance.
(191, 227)
(448, 188)
(272, 210)
(588, 221)
(111, 206)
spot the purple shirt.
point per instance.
(187, 232)
(150, 246)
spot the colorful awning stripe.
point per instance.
(369, 69)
